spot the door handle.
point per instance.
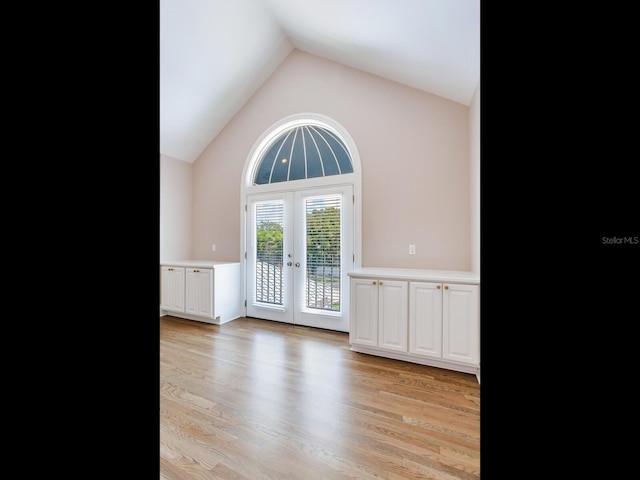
(297, 264)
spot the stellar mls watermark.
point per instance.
(620, 240)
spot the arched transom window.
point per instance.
(302, 152)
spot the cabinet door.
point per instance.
(199, 292)
(425, 319)
(363, 328)
(461, 323)
(393, 320)
(172, 295)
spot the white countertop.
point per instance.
(197, 263)
(454, 276)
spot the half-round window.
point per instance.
(301, 152)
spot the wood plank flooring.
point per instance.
(258, 400)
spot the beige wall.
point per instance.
(175, 209)
(414, 150)
(474, 136)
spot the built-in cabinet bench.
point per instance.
(201, 290)
(431, 317)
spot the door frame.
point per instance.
(294, 269)
(248, 188)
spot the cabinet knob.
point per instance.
(289, 264)
(196, 271)
(375, 283)
(446, 287)
(438, 287)
(380, 283)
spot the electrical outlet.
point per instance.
(213, 247)
(412, 249)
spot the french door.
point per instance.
(299, 248)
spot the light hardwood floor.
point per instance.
(253, 399)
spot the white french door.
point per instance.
(299, 248)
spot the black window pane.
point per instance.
(281, 167)
(314, 165)
(298, 171)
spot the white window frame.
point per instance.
(260, 148)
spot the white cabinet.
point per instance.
(199, 286)
(364, 312)
(392, 319)
(172, 292)
(461, 323)
(379, 313)
(201, 290)
(444, 321)
(425, 319)
(422, 316)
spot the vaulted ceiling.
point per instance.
(215, 54)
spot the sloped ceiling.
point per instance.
(214, 54)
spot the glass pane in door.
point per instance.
(269, 217)
(323, 253)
